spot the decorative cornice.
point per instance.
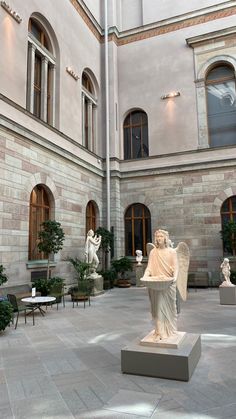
(198, 17)
(196, 40)
(164, 27)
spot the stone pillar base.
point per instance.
(176, 364)
(227, 295)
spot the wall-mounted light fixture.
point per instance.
(72, 73)
(11, 11)
(170, 95)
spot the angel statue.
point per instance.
(169, 267)
(91, 247)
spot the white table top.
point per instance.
(38, 300)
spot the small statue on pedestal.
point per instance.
(91, 247)
(139, 256)
(225, 268)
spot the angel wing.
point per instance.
(149, 247)
(183, 255)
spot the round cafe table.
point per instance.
(37, 302)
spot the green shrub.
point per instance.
(44, 286)
(233, 277)
(6, 312)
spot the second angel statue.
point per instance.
(167, 269)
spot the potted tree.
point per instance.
(6, 310)
(51, 239)
(106, 244)
(82, 290)
(121, 267)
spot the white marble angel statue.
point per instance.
(166, 262)
(91, 247)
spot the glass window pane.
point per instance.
(127, 144)
(138, 210)
(136, 118)
(220, 72)
(136, 142)
(221, 100)
(225, 206)
(225, 218)
(138, 235)
(233, 203)
(128, 238)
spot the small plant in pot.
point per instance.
(6, 310)
(109, 276)
(121, 267)
(82, 290)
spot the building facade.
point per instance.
(172, 113)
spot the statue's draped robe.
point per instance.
(163, 263)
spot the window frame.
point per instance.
(39, 211)
(146, 231)
(129, 125)
(38, 50)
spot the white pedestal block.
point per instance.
(173, 341)
(175, 364)
(227, 295)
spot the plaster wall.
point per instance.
(169, 8)
(78, 49)
(155, 66)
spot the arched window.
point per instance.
(136, 135)
(137, 229)
(40, 73)
(90, 217)
(221, 105)
(89, 108)
(228, 213)
(39, 212)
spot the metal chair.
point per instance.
(18, 308)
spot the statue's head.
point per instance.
(162, 236)
(226, 260)
(90, 233)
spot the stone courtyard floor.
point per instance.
(68, 364)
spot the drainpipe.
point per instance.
(107, 120)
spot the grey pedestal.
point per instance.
(98, 285)
(139, 271)
(175, 364)
(227, 295)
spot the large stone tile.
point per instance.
(37, 408)
(31, 387)
(6, 411)
(96, 356)
(133, 402)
